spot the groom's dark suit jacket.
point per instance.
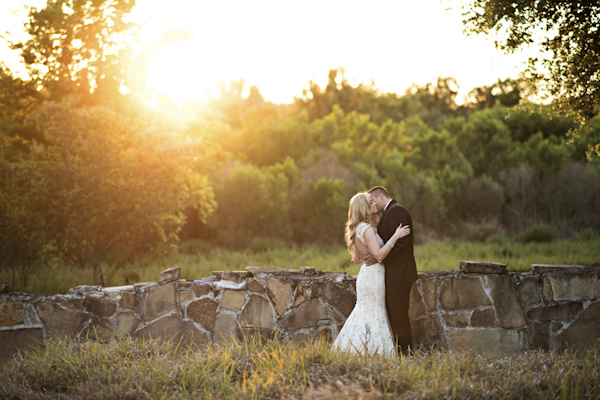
(400, 265)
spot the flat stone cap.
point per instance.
(273, 271)
(482, 267)
(169, 275)
(563, 269)
(233, 276)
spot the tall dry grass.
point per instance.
(198, 259)
(257, 368)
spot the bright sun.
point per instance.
(179, 72)
(268, 44)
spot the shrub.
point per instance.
(262, 244)
(476, 230)
(539, 234)
(586, 235)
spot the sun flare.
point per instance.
(176, 70)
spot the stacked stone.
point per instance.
(480, 306)
(483, 307)
(297, 304)
(565, 313)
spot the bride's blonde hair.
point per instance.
(359, 211)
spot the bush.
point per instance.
(539, 234)
(261, 244)
(476, 230)
(586, 235)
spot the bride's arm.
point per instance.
(382, 252)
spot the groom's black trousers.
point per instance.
(396, 302)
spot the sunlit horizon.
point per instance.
(280, 46)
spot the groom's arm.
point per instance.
(363, 258)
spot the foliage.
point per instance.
(79, 47)
(106, 188)
(25, 243)
(338, 92)
(571, 37)
(18, 100)
(320, 212)
(587, 234)
(199, 258)
(481, 200)
(485, 140)
(505, 92)
(255, 367)
(528, 119)
(539, 234)
(252, 202)
(433, 103)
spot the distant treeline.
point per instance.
(102, 183)
(494, 164)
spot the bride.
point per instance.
(367, 329)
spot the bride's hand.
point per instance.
(402, 231)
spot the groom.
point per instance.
(400, 265)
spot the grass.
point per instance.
(259, 369)
(516, 255)
(198, 259)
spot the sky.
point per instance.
(280, 45)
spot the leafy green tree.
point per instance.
(320, 211)
(571, 37)
(25, 243)
(544, 155)
(79, 47)
(432, 103)
(437, 154)
(485, 140)
(338, 92)
(253, 203)
(112, 188)
(18, 100)
(481, 200)
(354, 137)
(526, 120)
(506, 92)
(578, 140)
(233, 103)
(268, 137)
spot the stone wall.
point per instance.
(479, 306)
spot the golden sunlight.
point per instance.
(280, 46)
(177, 71)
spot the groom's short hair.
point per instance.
(380, 190)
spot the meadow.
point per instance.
(198, 259)
(257, 368)
(275, 369)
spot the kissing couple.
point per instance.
(379, 322)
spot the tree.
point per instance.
(78, 47)
(338, 92)
(507, 92)
(320, 211)
(253, 203)
(18, 100)
(433, 104)
(485, 140)
(24, 240)
(110, 188)
(572, 31)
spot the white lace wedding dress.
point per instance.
(367, 329)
